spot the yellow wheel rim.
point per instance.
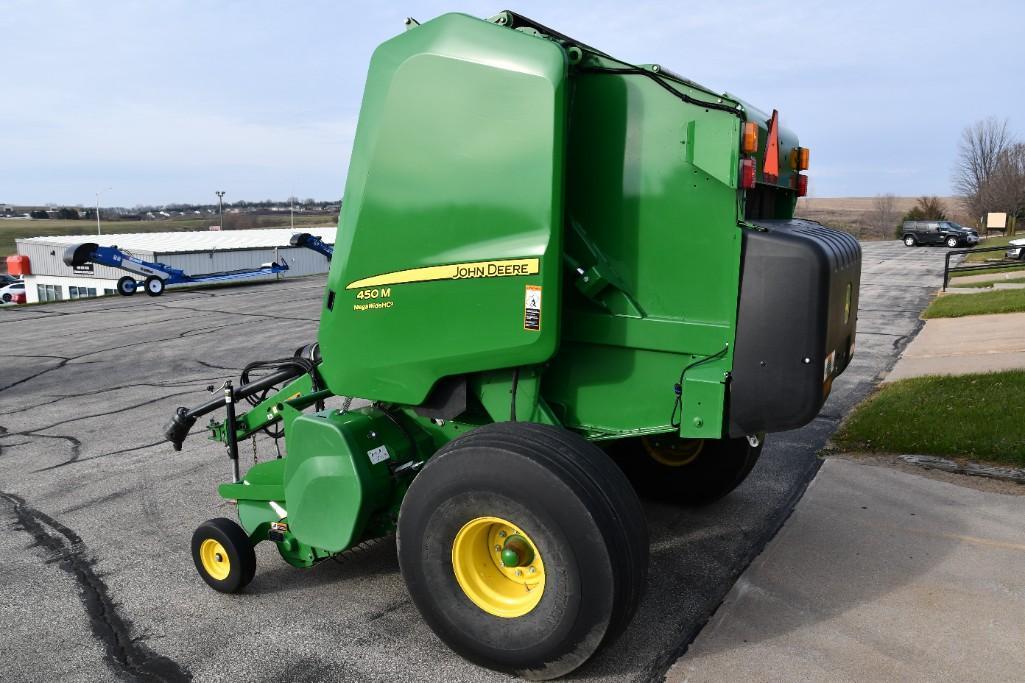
(507, 592)
(214, 559)
(671, 450)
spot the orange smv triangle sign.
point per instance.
(770, 169)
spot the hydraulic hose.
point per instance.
(304, 361)
(178, 427)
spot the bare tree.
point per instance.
(1006, 189)
(982, 145)
(884, 213)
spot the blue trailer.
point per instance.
(156, 275)
(305, 239)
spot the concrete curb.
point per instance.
(975, 469)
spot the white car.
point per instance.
(1016, 249)
(7, 292)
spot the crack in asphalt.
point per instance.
(217, 367)
(127, 450)
(108, 413)
(176, 384)
(255, 315)
(126, 655)
(76, 444)
(76, 447)
(79, 461)
(38, 374)
(194, 332)
(97, 501)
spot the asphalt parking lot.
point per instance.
(95, 567)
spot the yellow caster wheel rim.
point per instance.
(214, 559)
(671, 450)
(498, 567)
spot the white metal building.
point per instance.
(196, 253)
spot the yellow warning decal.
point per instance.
(532, 309)
(455, 271)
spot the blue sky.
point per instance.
(168, 101)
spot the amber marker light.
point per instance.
(802, 158)
(749, 138)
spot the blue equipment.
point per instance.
(157, 275)
(305, 239)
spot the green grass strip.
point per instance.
(959, 305)
(979, 416)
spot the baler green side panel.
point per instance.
(652, 186)
(457, 164)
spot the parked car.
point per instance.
(8, 292)
(918, 233)
(1016, 249)
(6, 279)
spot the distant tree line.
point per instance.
(308, 204)
(139, 211)
(64, 213)
(886, 215)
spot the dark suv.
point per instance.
(938, 232)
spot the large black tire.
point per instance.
(951, 242)
(574, 505)
(126, 286)
(223, 555)
(910, 241)
(685, 471)
(153, 285)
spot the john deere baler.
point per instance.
(561, 281)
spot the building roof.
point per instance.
(188, 241)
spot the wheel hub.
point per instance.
(498, 567)
(214, 559)
(517, 552)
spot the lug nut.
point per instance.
(519, 572)
(501, 534)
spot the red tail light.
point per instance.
(801, 183)
(747, 174)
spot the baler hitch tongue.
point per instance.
(304, 360)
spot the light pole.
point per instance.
(220, 207)
(291, 209)
(98, 209)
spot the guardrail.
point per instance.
(1006, 263)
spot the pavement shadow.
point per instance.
(376, 558)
